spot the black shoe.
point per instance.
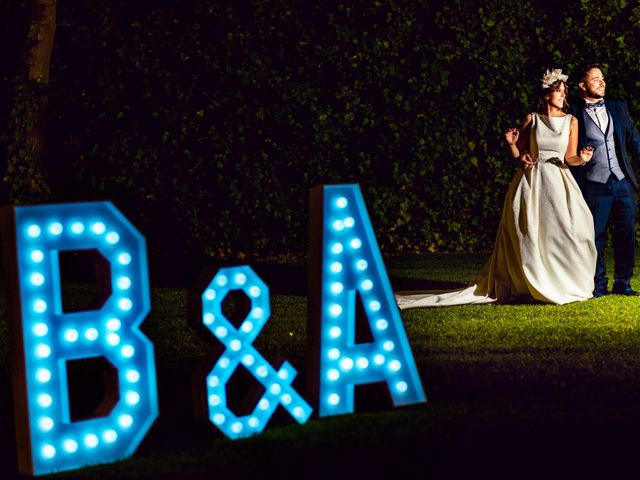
(624, 290)
(597, 293)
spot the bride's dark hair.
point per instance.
(542, 107)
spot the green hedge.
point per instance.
(207, 121)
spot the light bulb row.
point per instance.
(70, 445)
(74, 229)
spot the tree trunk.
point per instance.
(42, 30)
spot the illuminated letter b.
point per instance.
(45, 338)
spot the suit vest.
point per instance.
(604, 161)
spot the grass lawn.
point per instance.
(515, 391)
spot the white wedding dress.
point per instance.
(544, 247)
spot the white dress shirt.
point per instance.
(598, 114)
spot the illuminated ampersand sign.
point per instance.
(239, 350)
(45, 337)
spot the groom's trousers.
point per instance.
(613, 202)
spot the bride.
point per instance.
(544, 247)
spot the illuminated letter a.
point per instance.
(344, 260)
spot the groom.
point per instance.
(608, 181)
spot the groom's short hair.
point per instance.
(581, 73)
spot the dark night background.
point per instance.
(207, 122)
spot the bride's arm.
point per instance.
(518, 139)
(571, 157)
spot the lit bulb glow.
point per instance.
(254, 292)
(125, 421)
(40, 329)
(45, 400)
(91, 440)
(248, 360)
(45, 424)
(127, 351)
(374, 306)
(335, 332)
(132, 398)
(124, 259)
(39, 306)
(337, 248)
(125, 304)
(123, 283)
(91, 334)
(114, 324)
(98, 228)
(382, 324)
(70, 446)
(48, 451)
(34, 231)
(333, 353)
(112, 238)
(362, 363)
(346, 364)
(366, 285)
(55, 228)
(43, 375)
(77, 228)
(395, 365)
(43, 351)
(218, 419)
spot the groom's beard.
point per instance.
(593, 93)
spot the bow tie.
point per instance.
(594, 105)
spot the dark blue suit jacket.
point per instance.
(627, 138)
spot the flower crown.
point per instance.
(552, 76)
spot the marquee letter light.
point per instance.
(238, 349)
(44, 338)
(344, 258)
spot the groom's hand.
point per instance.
(526, 161)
